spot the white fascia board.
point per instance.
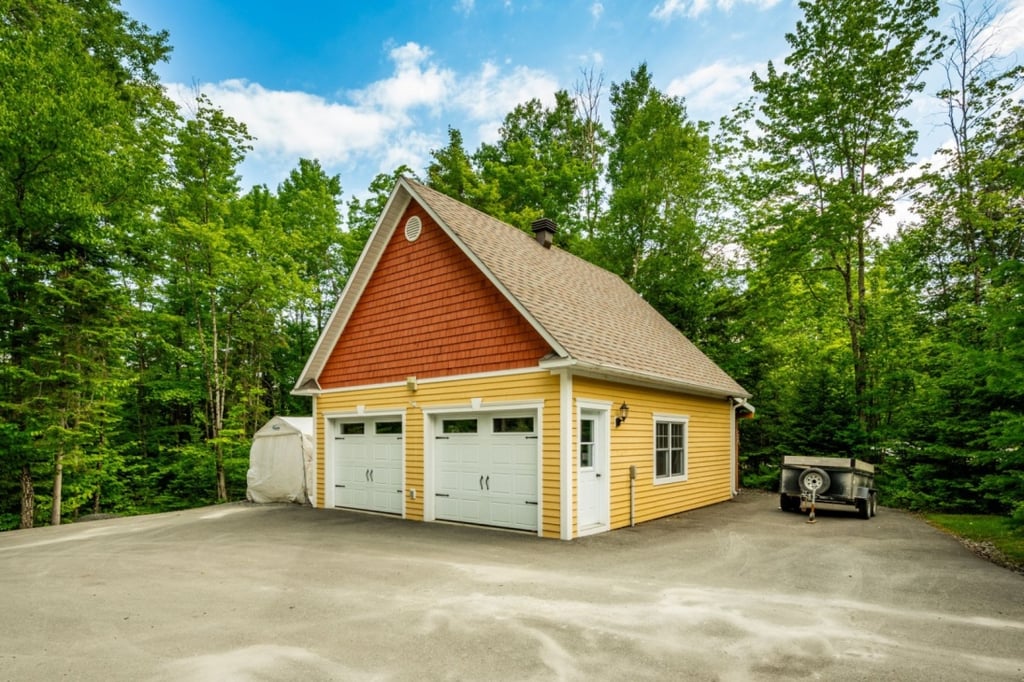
(432, 380)
(624, 375)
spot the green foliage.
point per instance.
(82, 126)
(153, 314)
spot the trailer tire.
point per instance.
(874, 504)
(814, 480)
(864, 508)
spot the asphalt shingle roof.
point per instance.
(594, 315)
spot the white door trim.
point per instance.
(600, 410)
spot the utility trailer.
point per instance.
(832, 480)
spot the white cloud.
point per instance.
(491, 94)
(1005, 34)
(464, 6)
(713, 90)
(380, 126)
(668, 10)
(411, 148)
(596, 11)
(416, 82)
(297, 124)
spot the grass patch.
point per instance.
(990, 536)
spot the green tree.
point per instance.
(539, 167)
(451, 172)
(363, 215)
(830, 144)
(308, 207)
(82, 127)
(961, 262)
(208, 250)
(651, 234)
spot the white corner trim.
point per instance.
(566, 478)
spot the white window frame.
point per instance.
(684, 420)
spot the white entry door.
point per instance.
(368, 464)
(486, 469)
(592, 463)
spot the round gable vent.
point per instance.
(412, 228)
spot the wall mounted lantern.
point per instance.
(623, 413)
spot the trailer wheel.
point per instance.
(864, 508)
(814, 480)
(874, 504)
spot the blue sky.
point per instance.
(365, 86)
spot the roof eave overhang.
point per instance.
(646, 380)
(309, 387)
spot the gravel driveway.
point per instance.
(738, 591)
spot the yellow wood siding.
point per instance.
(709, 456)
(432, 395)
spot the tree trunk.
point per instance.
(58, 484)
(222, 484)
(28, 498)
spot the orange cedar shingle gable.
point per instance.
(428, 311)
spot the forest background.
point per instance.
(153, 314)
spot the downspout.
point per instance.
(632, 495)
(733, 444)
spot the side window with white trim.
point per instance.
(670, 446)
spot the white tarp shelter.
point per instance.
(281, 461)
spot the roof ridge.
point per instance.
(592, 313)
(486, 216)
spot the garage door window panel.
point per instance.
(388, 428)
(458, 426)
(513, 425)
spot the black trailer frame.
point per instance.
(830, 480)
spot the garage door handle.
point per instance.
(487, 482)
(366, 475)
(441, 495)
(371, 475)
(533, 503)
(481, 483)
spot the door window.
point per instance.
(586, 443)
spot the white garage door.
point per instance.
(486, 469)
(368, 464)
